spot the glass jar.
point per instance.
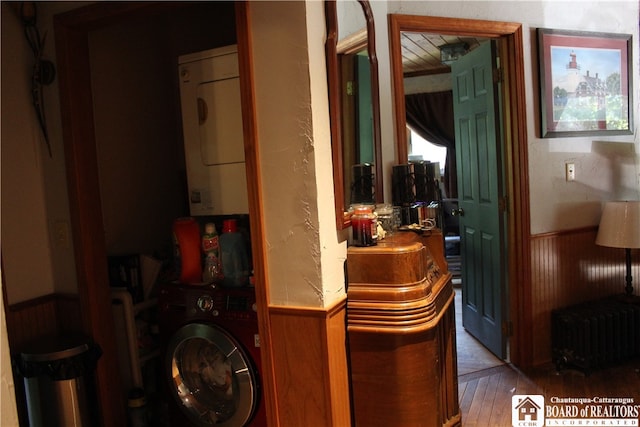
(364, 226)
(384, 213)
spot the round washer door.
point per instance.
(211, 377)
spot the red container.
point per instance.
(187, 235)
(229, 226)
(364, 226)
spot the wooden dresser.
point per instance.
(401, 330)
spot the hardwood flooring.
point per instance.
(472, 356)
(486, 384)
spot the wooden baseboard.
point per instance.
(310, 365)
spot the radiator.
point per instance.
(595, 334)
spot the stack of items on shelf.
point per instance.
(203, 257)
(416, 193)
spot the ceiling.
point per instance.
(421, 53)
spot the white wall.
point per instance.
(305, 259)
(138, 139)
(332, 245)
(606, 168)
(27, 252)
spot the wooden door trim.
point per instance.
(256, 207)
(72, 53)
(516, 156)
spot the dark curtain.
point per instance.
(430, 115)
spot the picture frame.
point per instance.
(585, 83)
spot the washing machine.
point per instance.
(211, 356)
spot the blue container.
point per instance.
(234, 256)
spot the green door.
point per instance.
(480, 191)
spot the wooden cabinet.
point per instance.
(401, 328)
(434, 241)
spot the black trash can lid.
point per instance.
(55, 347)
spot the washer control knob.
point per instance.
(205, 303)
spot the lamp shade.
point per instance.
(620, 225)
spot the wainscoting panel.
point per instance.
(28, 320)
(49, 314)
(310, 365)
(568, 268)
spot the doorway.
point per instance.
(464, 119)
(72, 41)
(472, 355)
(509, 36)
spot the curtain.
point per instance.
(430, 115)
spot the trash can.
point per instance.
(59, 380)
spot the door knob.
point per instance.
(457, 212)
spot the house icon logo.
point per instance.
(527, 410)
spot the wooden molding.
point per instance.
(310, 365)
(252, 163)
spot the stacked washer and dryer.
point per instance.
(209, 332)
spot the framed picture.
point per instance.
(585, 83)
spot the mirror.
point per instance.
(355, 121)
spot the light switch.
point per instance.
(571, 171)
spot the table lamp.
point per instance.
(620, 228)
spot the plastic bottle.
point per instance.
(233, 255)
(187, 235)
(210, 247)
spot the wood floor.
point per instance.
(486, 384)
(472, 356)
